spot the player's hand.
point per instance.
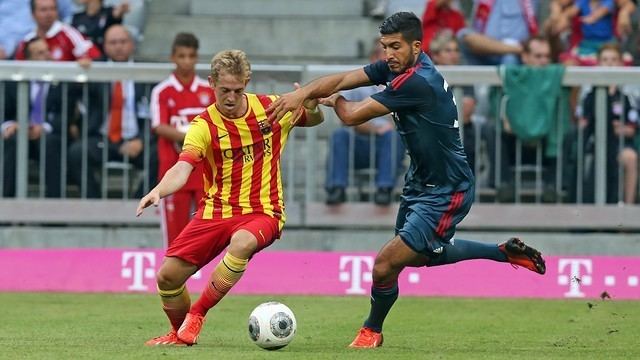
(309, 104)
(330, 101)
(152, 198)
(291, 101)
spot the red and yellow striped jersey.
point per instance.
(241, 160)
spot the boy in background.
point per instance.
(174, 102)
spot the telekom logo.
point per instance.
(138, 266)
(355, 270)
(579, 274)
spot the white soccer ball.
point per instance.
(272, 325)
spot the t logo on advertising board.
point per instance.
(575, 278)
(360, 271)
(143, 266)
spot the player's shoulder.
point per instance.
(205, 116)
(415, 82)
(164, 86)
(265, 99)
(260, 102)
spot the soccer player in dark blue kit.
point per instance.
(439, 185)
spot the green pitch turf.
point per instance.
(83, 326)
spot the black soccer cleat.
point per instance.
(518, 253)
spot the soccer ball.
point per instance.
(272, 325)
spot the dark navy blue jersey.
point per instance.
(426, 118)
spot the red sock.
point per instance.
(226, 274)
(175, 304)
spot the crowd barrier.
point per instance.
(304, 167)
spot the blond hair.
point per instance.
(232, 62)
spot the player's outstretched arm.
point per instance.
(353, 113)
(171, 182)
(318, 88)
(312, 112)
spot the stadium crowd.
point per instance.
(532, 41)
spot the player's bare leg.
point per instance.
(226, 274)
(394, 256)
(176, 302)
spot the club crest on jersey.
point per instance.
(204, 99)
(265, 127)
(56, 53)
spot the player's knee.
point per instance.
(166, 280)
(243, 244)
(382, 271)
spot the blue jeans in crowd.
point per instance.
(339, 157)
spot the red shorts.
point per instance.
(202, 240)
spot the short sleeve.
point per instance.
(196, 142)
(378, 72)
(411, 92)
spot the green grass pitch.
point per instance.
(115, 326)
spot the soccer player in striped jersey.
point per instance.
(243, 207)
(174, 102)
(439, 185)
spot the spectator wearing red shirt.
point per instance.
(174, 103)
(439, 15)
(65, 43)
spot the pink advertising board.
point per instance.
(320, 273)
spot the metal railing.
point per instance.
(305, 184)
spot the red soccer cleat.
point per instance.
(518, 253)
(190, 329)
(170, 339)
(367, 339)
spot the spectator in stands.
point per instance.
(45, 124)
(439, 15)
(378, 133)
(498, 28)
(123, 128)
(65, 43)
(174, 103)
(590, 24)
(622, 122)
(16, 22)
(531, 111)
(596, 27)
(96, 18)
(445, 51)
